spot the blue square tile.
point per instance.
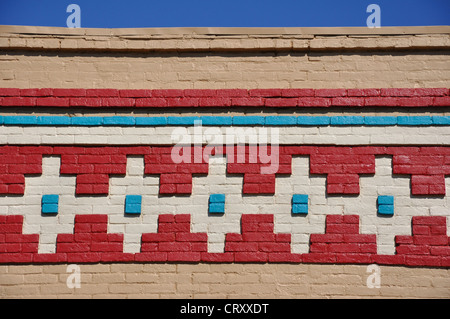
(133, 208)
(300, 209)
(50, 204)
(133, 204)
(50, 199)
(386, 209)
(49, 208)
(134, 199)
(385, 200)
(217, 208)
(300, 199)
(385, 205)
(217, 198)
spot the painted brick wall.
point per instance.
(345, 163)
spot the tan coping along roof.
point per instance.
(225, 39)
(410, 30)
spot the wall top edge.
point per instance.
(225, 39)
(223, 31)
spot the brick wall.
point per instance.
(150, 280)
(358, 173)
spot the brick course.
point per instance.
(342, 243)
(299, 98)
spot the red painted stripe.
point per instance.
(173, 98)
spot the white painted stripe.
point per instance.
(337, 135)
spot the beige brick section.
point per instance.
(223, 281)
(225, 70)
(229, 58)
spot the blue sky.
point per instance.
(223, 13)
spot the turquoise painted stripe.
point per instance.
(87, 121)
(281, 120)
(119, 121)
(380, 120)
(347, 120)
(249, 120)
(20, 120)
(415, 120)
(151, 121)
(313, 120)
(226, 120)
(441, 120)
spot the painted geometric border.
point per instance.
(342, 243)
(343, 165)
